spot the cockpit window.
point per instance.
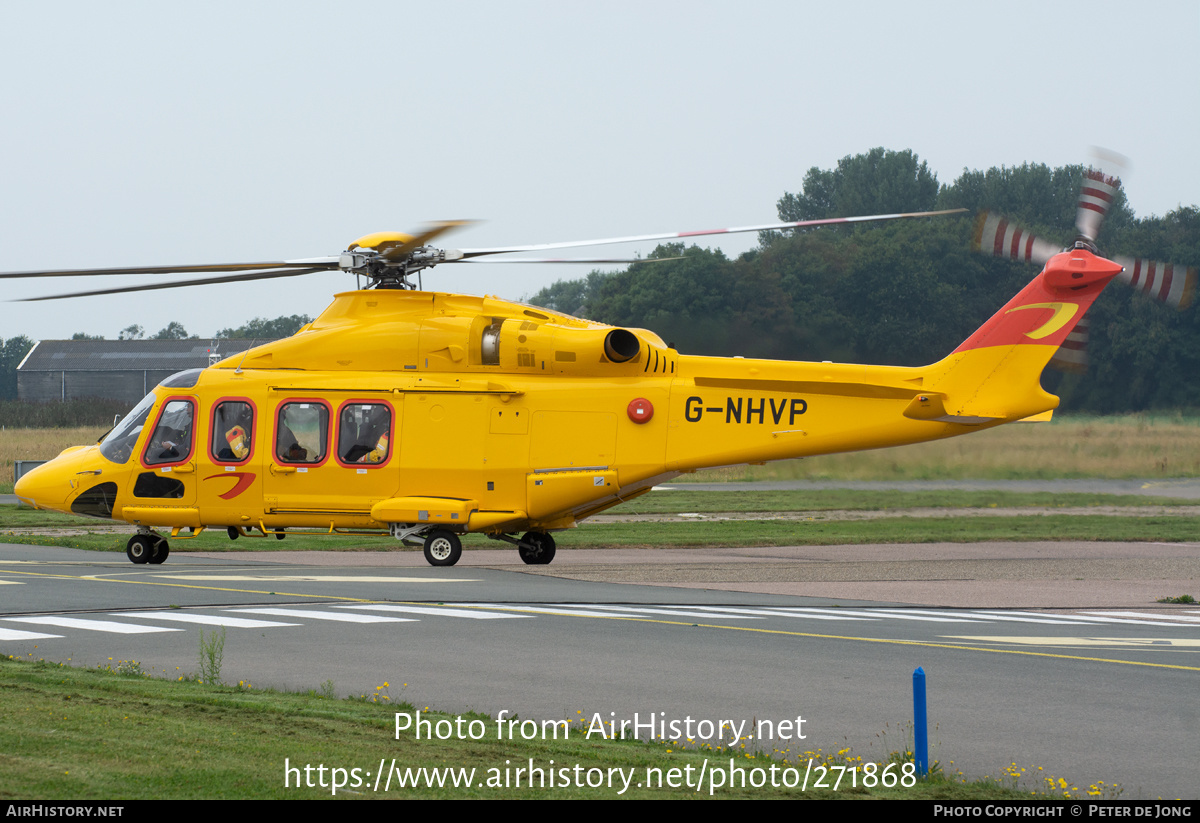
(172, 438)
(118, 445)
(182, 380)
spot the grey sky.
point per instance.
(154, 133)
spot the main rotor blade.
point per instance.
(232, 278)
(832, 221)
(570, 260)
(996, 236)
(312, 262)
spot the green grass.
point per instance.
(116, 734)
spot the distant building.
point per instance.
(116, 369)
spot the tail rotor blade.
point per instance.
(1072, 355)
(1168, 283)
(1095, 199)
(996, 236)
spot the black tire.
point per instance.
(160, 552)
(442, 548)
(536, 548)
(140, 548)
(233, 532)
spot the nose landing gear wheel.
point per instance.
(442, 548)
(536, 548)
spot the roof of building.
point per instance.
(130, 355)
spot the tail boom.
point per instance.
(728, 411)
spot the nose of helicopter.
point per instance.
(53, 485)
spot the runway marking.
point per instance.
(99, 579)
(718, 611)
(12, 582)
(1117, 642)
(992, 617)
(1034, 617)
(898, 615)
(437, 610)
(1050, 620)
(17, 634)
(309, 578)
(1095, 618)
(91, 625)
(643, 615)
(205, 619)
(340, 617)
(881, 640)
(1187, 620)
(538, 609)
(675, 612)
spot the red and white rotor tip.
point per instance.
(996, 236)
(1166, 282)
(1095, 199)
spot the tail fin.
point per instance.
(995, 373)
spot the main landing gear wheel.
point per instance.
(140, 548)
(442, 548)
(536, 548)
(159, 552)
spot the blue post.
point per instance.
(920, 723)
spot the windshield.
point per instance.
(119, 443)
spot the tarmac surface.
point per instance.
(994, 575)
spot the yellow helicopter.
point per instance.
(427, 416)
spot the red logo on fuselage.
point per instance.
(244, 479)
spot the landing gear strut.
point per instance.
(536, 548)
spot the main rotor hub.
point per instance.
(384, 272)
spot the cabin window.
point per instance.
(364, 433)
(232, 431)
(171, 441)
(302, 432)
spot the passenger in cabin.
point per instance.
(364, 433)
(288, 448)
(234, 426)
(311, 421)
